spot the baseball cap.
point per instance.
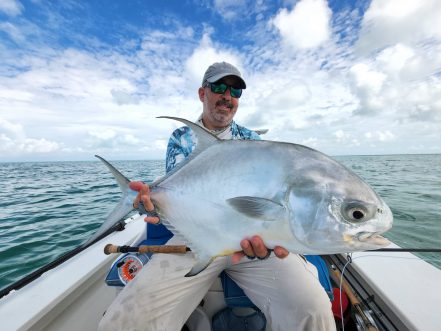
(220, 70)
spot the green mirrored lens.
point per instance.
(235, 92)
(218, 88)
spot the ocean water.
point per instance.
(49, 208)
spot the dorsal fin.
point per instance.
(205, 138)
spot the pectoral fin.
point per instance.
(201, 264)
(258, 208)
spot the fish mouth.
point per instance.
(372, 238)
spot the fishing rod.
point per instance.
(179, 249)
(415, 250)
(112, 249)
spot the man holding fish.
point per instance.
(283, 286)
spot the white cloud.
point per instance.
(229, 9)
(105, 134)
(11, 7)
(13, 141)
(42, 145)
(365, 77)
(424, 102)
(310, 142)
(367, 83)
(161, 144)
(9, 129)
(306, 26)
(341, 136)
(387, 23)
(115, 140)
(203, 56)
(404, 63)
(285, 97)
(396, 58)
(395, 82)
(122, 97)
(12, 31)
(382, 136)
(70, 96)
(15, 94)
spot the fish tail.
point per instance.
(124, 206)
(123, 181)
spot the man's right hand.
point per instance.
(144, 197)
(255, 247)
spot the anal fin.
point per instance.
(199, 266)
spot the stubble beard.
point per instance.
(222, 118)
(220, 115)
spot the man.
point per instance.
(284, 287)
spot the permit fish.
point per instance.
(290, 195)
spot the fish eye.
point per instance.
(357, 214)
(354, 212)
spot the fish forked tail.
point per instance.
(124, 206)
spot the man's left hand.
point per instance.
(255, 247)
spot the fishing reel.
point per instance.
(126, 268)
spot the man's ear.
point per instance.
(201, 93)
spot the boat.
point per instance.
(395, 291)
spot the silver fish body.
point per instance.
(290, 195)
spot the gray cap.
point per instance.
(220, 70)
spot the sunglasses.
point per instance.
(220, 88)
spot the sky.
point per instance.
(79, 78)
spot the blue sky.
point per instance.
(79, 78)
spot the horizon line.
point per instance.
(96, 160)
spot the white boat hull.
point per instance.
(74, 296)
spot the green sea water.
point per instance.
(49, 208)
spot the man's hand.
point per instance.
(144, 197)
(255, 247)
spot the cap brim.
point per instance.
(222, 75)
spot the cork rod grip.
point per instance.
(182, 249)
